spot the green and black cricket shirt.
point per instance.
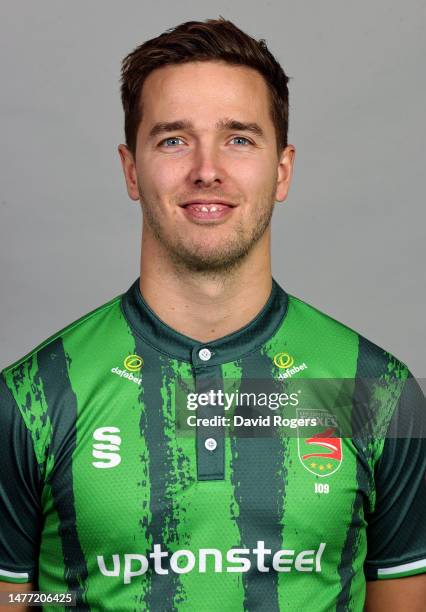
(104, 493)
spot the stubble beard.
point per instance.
(191, 257)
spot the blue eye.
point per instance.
(167, 140)
(246, 140)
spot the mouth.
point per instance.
(207, 210)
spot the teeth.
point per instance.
(207, 208)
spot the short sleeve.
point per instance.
(396, 531)
(20, 490)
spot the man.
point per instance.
(104, 493)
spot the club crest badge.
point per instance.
(320, 448)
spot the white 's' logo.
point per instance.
(108, 452)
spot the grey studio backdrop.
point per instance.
(350, 239)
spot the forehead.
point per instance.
(205, 88)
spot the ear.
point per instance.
(285, 172)
(129, 170)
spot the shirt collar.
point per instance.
(150, 328)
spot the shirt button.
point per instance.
(210, 444)
(204, 354)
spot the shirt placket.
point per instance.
(210, 439)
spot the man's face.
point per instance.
(206, 168)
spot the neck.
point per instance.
(206, 306)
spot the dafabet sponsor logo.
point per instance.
(132, 365)
(285, 363)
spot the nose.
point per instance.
(206, 168)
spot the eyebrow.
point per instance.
(222, 125)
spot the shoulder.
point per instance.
(81, 327)
(41, 378)
(332, 337)
(387, 400)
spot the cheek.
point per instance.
(254, 176)
(158, 179)
(164, 176)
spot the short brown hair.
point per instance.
(214, 40)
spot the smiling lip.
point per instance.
(207, 210)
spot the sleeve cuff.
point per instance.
(18, 577)
(395, 571)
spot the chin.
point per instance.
(210, 260)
